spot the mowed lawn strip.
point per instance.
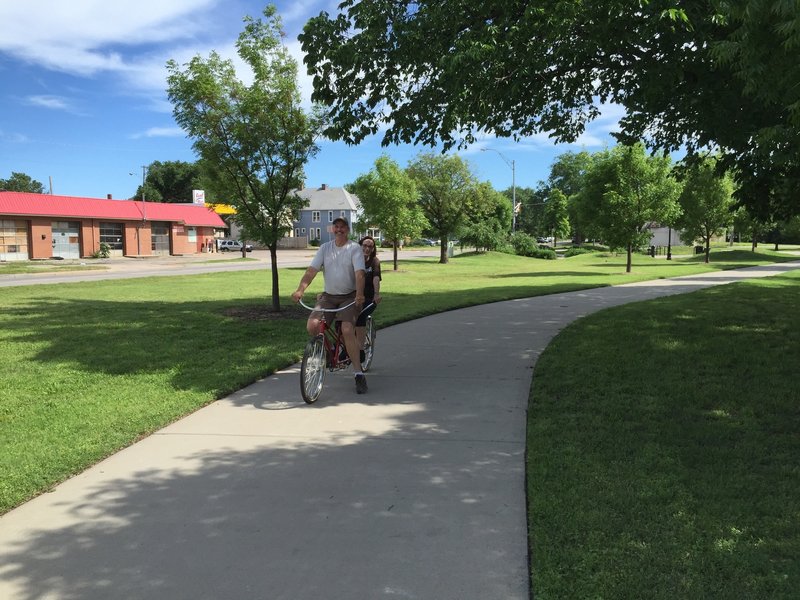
(88, 368)
(663, 445)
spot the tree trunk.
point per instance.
(708, 249)
(276, 297)
(630, 260)
(394, 253)
(442, 249)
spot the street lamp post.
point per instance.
(511, 164)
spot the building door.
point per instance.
(159, 233)
(13, 240)
(111, 235)
(66, 239)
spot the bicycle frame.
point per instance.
(323, 353)
(332, 336)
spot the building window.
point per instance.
(315, 216)
(111, 234)
(297, 232)
(341, 214)
(302, 231)
(330, 216)
(319, 233)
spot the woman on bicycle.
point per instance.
(372, 287)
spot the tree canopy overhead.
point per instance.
(691, 74)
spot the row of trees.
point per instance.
(613, 196)
(435, 194)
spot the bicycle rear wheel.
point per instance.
(312, 369)
(369, 345)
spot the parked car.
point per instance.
(233, 246)
(424, 242)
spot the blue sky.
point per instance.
(83, 102)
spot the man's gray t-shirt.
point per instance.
(338, 265)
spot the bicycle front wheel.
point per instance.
(369, 345)
(312, 369)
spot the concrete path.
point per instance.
(414, 491)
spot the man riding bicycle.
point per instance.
(342, 264)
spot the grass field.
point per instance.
(663, 444)
(88, 368)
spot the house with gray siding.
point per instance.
(324, 205)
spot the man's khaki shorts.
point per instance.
(325, 300)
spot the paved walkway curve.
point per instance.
(414, 491)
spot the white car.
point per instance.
(233, 246)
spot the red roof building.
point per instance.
(35, 226)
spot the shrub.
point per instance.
(103, 252)
(544, 253)
(483, 236)
(576, 250)
(314, 243)
(524, 244)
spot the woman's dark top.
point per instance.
(372, 268)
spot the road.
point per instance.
(126, 268)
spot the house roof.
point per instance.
(46, 205)
(328, 198)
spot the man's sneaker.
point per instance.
(361, 384)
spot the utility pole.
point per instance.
(511, 164)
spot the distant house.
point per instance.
(37, 226)
(324, 205)
(661, 235)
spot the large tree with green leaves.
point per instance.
(706, 202)
(20, 182)
(556, 214)
(447, 192)
(625, 190)
(254, 139)
(388, 197)
(531, 214)
(171, 181)
(486, 226)
(690, 74)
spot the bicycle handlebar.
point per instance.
(332, 310)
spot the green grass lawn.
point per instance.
(663, 445)
(49, 266)
(88, 368)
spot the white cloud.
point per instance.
(51, 102)
(13, 138)
(85, 37)
(154, 132)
